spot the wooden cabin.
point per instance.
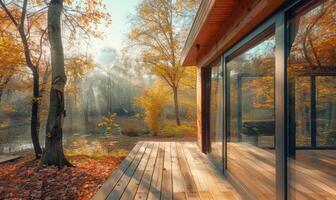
(266, 94)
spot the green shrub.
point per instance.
(169, 131)
(109, 124)
(174, 131)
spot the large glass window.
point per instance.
(216, 113)
(311, 78)
(251, 125)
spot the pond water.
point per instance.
(17, 137)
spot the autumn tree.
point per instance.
(54, 154)
(11, 60)
(26, 24)
(77, 68)
(28, 19)
(158, 33)
(153, 102)
(312, 52)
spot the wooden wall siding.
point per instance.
(216, 39)
(199, 107)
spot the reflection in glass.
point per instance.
(251, 125)
(216, 113)
(311, 77)
(326, 110)
(303, 110)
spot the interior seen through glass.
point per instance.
(311, 78)
(251, 125)
(216, 113)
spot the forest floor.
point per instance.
(95, 158)
(94, 161)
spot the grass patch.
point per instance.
(178, 131)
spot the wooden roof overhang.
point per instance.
(219, 24)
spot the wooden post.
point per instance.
(202, 110)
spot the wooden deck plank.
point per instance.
(111, 182)
(7, 158)
(191, 189)
(155, 187)
(196, 168)
(312, 174)
(167, 186)
(179, 192)
(249, 164)
(220, 182)
(214, 185)
(132, 186)
(123, 182)
(143, 189)
(167, 170)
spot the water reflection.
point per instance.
(17, 138)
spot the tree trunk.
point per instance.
(53, 154)
(70, 113)
(176, 106)
(86, 113)
(1, 92)
(333, 117)
(35, 117)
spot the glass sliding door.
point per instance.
(311, 83)
(250, 115)
(303, 110)
(326, 111)
(216, 114)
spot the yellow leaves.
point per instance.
(262, 89)
(158, 36)
(153, 102)
(315, 41)
(135, 32)
(87, 16)
(7, 108)
(88, 148)
(76, 68)
(184, 129)
(11, 56)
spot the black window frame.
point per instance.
(279, 22)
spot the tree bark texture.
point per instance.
(35, 117)
(176, 107)
(54, 154)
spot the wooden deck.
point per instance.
(166, 170)
(7, 158)
(311, 175)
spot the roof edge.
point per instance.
(201, 16)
